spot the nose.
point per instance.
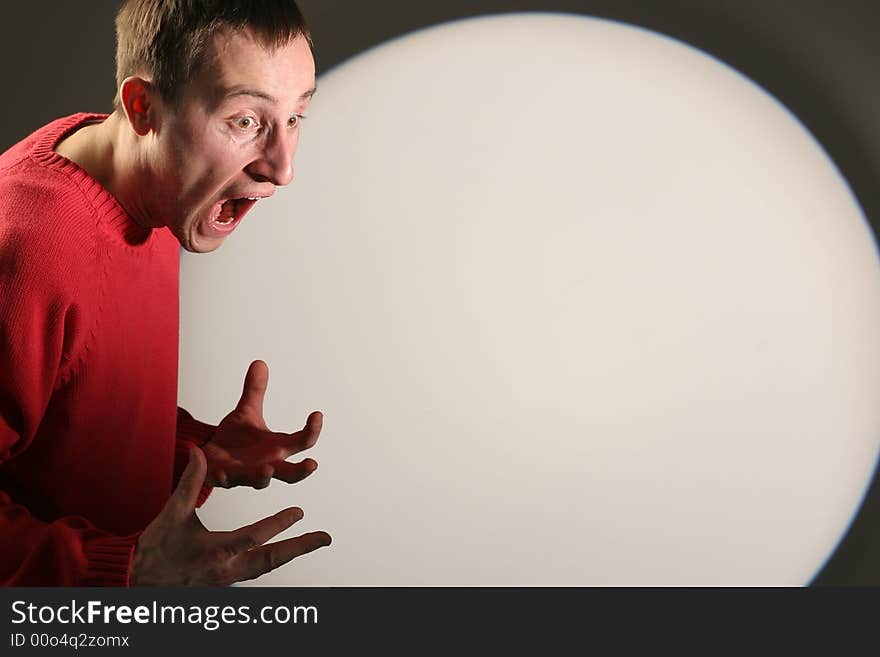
(275, 162)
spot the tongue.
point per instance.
(227, 212)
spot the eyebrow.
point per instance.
(256, 93)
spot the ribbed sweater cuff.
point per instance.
(193, 430)
(203, 495)
(109, 560)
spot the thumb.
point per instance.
(183, 500)
(254, 390)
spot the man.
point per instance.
(100, 473)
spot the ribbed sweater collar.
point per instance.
(112, 219)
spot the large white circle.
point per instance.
(581, 305)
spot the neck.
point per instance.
(108, 152)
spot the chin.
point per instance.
(193, 242)
(202, 246)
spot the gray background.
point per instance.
(820, 59)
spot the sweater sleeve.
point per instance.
(35, 347)
(190, 433)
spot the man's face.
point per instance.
(230, 138)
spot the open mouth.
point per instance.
(227, 214)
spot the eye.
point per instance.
(295, 120)
(246, 123)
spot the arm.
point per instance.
(46, 328)
(190, 433)
(36, 350)
(67, 552)
(35, 357)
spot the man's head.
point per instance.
(214, 91)
(166, 41)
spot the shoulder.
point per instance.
(43, 206)
(41, 142)
(39, 189)
(47, 229)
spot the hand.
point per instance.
(176, 549)
(244, 452)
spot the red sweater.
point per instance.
(89, 435)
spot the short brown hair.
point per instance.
(166, 40)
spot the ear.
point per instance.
(141, 104)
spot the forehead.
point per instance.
(236, 60)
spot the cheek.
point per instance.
(205, 155)
(212, 159)
(199, 136)
(227, 152)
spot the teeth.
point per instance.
(253, 198)
(227, 213)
